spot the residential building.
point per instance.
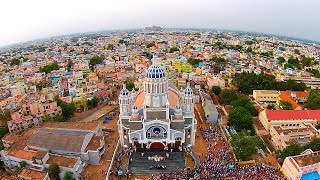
(283, 136)
(71, 145)
(304, 166)
(288, 118)
(266, 96)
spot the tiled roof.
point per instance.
(56, 139)
(274, 115)
(285, 97)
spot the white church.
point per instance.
(158, 116)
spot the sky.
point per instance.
(23, 20)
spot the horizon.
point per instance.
(35, 19)
(164, 28)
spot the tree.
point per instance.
(240, 118)
(244, 145)
(194, 62)
(54, 170)
(110, 47)
(291, 150)
(314, 145)
(68, 176)
(314, 99)
(59, 118)
(281, 60)
(216, 90)
(95, 60)
(130, 84)
(50, 67)
(318, 126)
(173, 49)
(68, 110)
(243, 101)
(202, 86)
(14, 61)
(285, 105)
(5, 115)
(95, 101)
(47, 118)
(3, 131)
(22, 164)
(228, 95)
(271, 106)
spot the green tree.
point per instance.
(50, 67)
(314, 99)
(22, 164)
(318, 126)
(244, 146)
(15, 61)
(110, 47)
(95, 60)
(281, 60)
(3, 131)
(314, 145)
(68, 110)
(54, 170)
(240, 118)
(173, 49)
(228, 95)
(59, 118)
(5, 115)
(95, 101)
(194, 62)
(285, 105)
(47, 118)
(68, 176)
(216, 90)
(130, 84)
(297, 51)
(243, 101)
(271, 106)
(291, 150)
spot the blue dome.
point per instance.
(155, 72)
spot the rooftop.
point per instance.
(307, 159)
(274, 115)
(63, 161)
(32, 174)
(57, 139)
(74, 125)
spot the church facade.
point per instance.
(158, 116)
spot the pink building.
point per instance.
(31, 114)
(304, 166)
(283, 136)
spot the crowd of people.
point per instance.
(220, 164)
(211, 134)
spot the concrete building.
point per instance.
(283, 136)
(210, 109)
(302, 167)
(71, 145)
(266, 96)
(32, 114)
(288, 118)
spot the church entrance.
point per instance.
(157, 145)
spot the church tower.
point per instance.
(125, 102)
(187, 100)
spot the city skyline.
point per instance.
(36, 20)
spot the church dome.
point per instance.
(155, 72)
